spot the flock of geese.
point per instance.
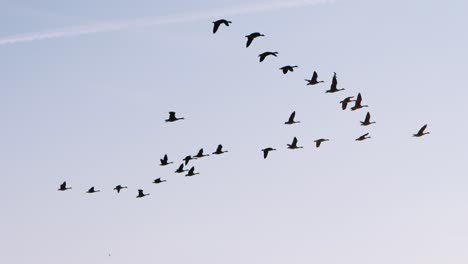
(291, 121)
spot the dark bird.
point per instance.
(363, 137)
(291, 119)
(63, 187)
(219, 150)
(333, 87)
(346, 101)
(191, 172)
(172, 117)
(92, 190)
(266, 54)
(217, 23)
(293, 145)
(367, 121)
(200, 154)
(158, 180)
(119, 187)
(141, 194)
(188, 158)
(180, 169)
(421, 132)
(357, 104)
(265, 152)
(251, 37)
(164, 161)
(288, 68)
(319, 141)
(314, 80)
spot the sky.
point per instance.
(89, 109)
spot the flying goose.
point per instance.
(421, 132)
(141, 194)
(63, 186)
(251, 37)
(319, 141)
(313, 80)
(180, 169)
(158, 180)
(266, 54)
(219, 150)
(164, 161)
(217, 23)
(288, 68)
(92, 190)
(345, 102)
(291, 119)
(191, 172)
(333, 87)
(119, 187)
(200, 154)
(357, 103)
(367, 121)
(188, 158)
(293, 145)
(172, 117)
(363, 137)
(265, 152)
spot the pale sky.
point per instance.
(90, 109)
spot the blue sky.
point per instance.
(90, 110)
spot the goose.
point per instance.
(180, 169)
(319, 141)
(63, 186)
(293, 145)
(92, 190)
(200, 154)
(345, 102)
(172, 117)
(188, 158)
(333, 86)
(291, 119)
(158, 180)
(367, 121)
(119, 187)
(266, 54)
(251, 37)
(363, 137)
(265, 152)
(217, 23)
(164, 161)
(357, 103)
(421, 132)
(313, 80)
(141, 194)
(219, 150)
(191, 172)
(288, 68)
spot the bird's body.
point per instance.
(421, 132)
(92, 190)
(313, 80)
(358, 103)
(158, 181)
(320, 141)
(218, 23)
(164, 161)
(173, 118)
(333, 87)
(180, 169)
(219, 150)
(63, 186)
(191, 172)
(344, 103)
(293, 145)
(141, 194)
(363, 137)
(266, 150)
(251, 37)
(118, 188)
(188, 158)
(266, 54)
(291, 119)
(367, 121)
(288, 68)
(200, 154)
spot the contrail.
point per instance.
(162, 20)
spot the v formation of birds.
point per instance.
(291, 120)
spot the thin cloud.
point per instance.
(162, 20)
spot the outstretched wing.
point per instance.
(63, 185)
(294, 142)
(292, 116)
(421, 131)
(140, 192)
(249, 41)
(314, 77)
(200, 152)
(172, 115)
(265, 153)
(359, 99)
(367, 120)
(216, 26)
(334, 82)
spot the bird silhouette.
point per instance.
(421, 132)
(141, 194)
(158, 181)
(293, 145)
(266, 54)
(119, 187)
(188, 158)
(333, 87)
(344, 103)
(92, 190)
(217, 23)
(265, 152)
(63, 186)
(191, 172)
(313, 80)
(291, 119)
(288, 68)
(164, 161)
(200, 154)
(180, 169)
(367, 121)
(319, 141)
(357, 103)
(172, 117)
(251, 37)
(219, 150)
(363, 137)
